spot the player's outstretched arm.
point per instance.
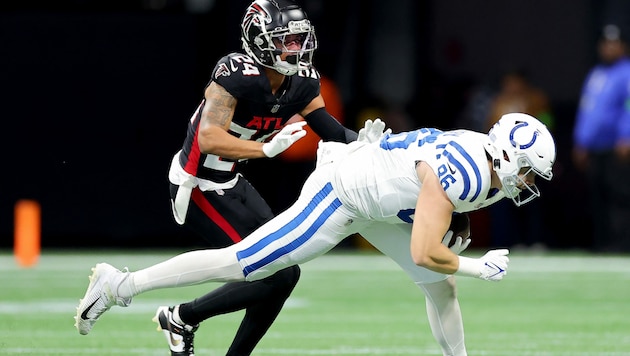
(324, 124)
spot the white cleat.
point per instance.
(100, 296)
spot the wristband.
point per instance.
(468, 267)
(268, 150)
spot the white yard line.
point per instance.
(331, 261)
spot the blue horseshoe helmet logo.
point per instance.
(527, 145)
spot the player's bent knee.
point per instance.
(446, 288)
(285, 279)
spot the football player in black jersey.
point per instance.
(249, 98)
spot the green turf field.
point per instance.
(345, 304)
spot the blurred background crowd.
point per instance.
(96, 96)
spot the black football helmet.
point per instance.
(263, 30)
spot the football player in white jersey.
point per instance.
(399, 193)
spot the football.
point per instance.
(460, 225)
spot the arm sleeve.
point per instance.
(328, 128)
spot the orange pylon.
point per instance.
(27, 238)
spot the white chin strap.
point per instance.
(284, 67)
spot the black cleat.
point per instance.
(179, 337)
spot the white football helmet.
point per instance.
(519, 146)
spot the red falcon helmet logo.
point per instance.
(255, 14)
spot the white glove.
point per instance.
(491, 267)
(285, 138)
(458, 246)
(373, 131)
(495, 264)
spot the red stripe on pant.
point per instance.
(214, 215)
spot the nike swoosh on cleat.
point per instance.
(84, 314)
(174, 341)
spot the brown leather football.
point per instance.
(460, 225)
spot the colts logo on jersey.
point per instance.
(257, 15)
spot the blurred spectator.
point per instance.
(517, 94)
(478, 101)
(602, 142)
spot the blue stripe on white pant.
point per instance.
(290, 236)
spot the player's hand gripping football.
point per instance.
(373, 131)
(460, 228)
(285, 138)
(458, 246)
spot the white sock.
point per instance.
(195, 267)
(445, 316)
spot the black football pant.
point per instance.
(222, 218)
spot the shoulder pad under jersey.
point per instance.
(239, 74)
